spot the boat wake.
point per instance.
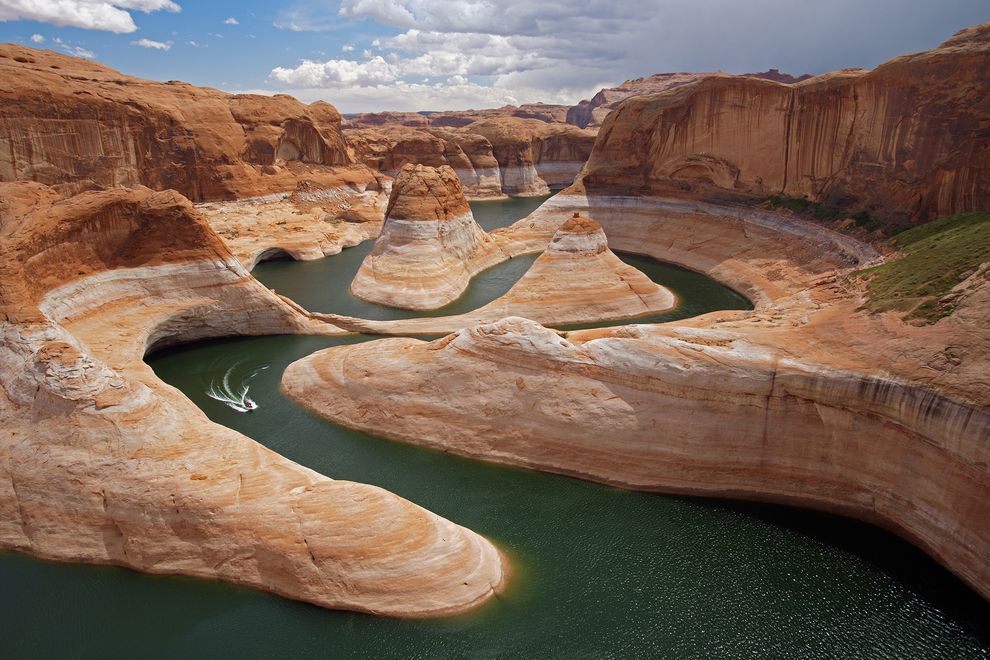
(238, 398)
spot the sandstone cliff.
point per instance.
(102, 462)
(492, 157)
(470, 155)
(75, 124)
(533, 156)
(430, 245)
(905, 142)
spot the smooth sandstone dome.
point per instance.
(430, 245)
(578, 279)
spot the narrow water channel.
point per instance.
(599, 572)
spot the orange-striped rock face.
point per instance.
(905, 142)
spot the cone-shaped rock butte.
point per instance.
(598, 572)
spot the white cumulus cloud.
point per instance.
(337, 73)
(560, 50)
(109, 15)
(37, 38)
(149, 43)
(231, 21)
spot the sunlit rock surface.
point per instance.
(905, 142)
(430, 245)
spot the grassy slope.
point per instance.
(936, 256)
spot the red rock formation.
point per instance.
(534, 156)
(389, 148)
(907, 141)
(492, 157)
(74, 124)
(430, 246)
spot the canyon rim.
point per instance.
(382, 375)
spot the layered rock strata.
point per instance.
(806, 400)
(102, 462)
(303, 225)
(905, 142)
(533, 156)
(492, 157)
(76, 125)
(470, 155)
(430, 245)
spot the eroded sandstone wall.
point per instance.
(492, 157)
(74, 124)
(906, 142)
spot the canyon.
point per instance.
(132, 211)
(587, 403)
(104, 463)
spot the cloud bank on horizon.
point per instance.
(365, 55)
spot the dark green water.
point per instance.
(599, 572)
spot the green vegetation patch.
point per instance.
(820, 212)
(936, 257)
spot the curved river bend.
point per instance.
(599, 572)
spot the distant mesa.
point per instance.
(493, 156)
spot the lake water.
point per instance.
(599, 572)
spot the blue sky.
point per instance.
(367, 55)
